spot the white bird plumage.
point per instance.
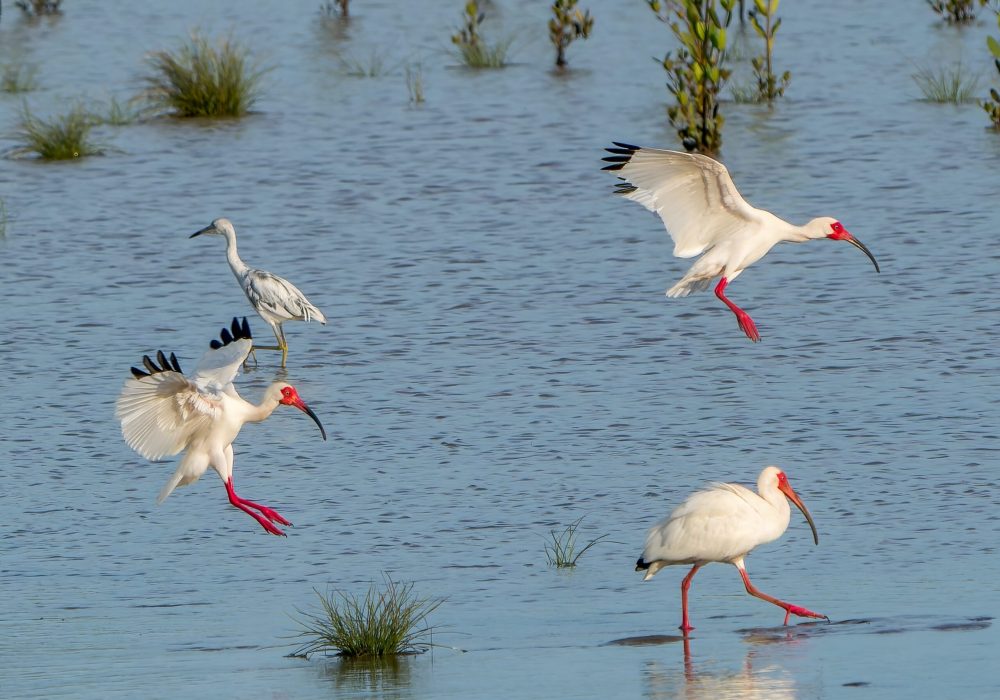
(164, 412)
(723, 523)
(705, 215)
(274, 298)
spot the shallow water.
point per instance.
(500, 361)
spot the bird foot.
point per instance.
(272, 515)
(748, 326)
(802, 612)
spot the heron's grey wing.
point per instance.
(278, 297)
(160, 412)
(694, 195)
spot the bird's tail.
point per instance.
(314, 314)
(169, 487)
(688, 285)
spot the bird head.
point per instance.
(288, 396)
(219, 227)
(828, 227)
(786, 488)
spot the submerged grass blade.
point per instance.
(562, 552)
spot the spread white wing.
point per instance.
(161, 410)
(693, 195)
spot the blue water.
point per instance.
(501, 361)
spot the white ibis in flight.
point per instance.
(276, 299)
(163, 412)
(723, 523)
(704, 213)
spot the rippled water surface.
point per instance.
(501, 361)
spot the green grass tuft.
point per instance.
(373, 67)
(484, 55)
(562, 551)
(203, 80)
(60, 138)
(18, 77)
(947, 84)
(383, 623)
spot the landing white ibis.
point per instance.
(723, 523)
(163, 412)
(276, 299)
(703, 213)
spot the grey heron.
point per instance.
(276, 299)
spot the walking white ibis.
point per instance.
(164, 412)
(703, 213)
(724, 523)
(276, 299)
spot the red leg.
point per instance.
(685, 585)
(742, 317)
(788, 607)
(264, 520)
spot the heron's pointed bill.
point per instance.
(864, 249)
(787, 489)
(208, 229)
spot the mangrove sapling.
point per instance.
(697, 72)
(567, 23)
(992, 105)
(957, 11)
(769, 85)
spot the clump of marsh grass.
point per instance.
(562, 551)
(18, 77)
(38, 8)
(415, 82)
(203, 79)
(387, 621)
(373, 67)
(475, 51)
(118, 113)
(62, 137)
(947, 84)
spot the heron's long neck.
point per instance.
(237, 265)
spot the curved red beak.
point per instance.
(301, 405)
(787, 489)
(845, 235)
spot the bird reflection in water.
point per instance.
(758, 678)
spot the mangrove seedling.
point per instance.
(203, 79)
(697, 72)
(475, 51)
(562, 551)
(385, 622)
(769, 85)
(992, 105)
(956, 11)
(567, 23)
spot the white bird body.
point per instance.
(705, 215)
(724, 523)
(163, 412)
(274, 298)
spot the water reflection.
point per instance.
(756, 678)
(382, 677)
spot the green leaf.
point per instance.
(774, 7)
(756, 25)
(761, 6)
(994, 46)
(774, 27)
(699, 30)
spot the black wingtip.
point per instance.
(238, 330)
(625, 188)
(165, 365)
(627, 145)
(173, 363)
(215, 345)
(138, 373)
(246, 329)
